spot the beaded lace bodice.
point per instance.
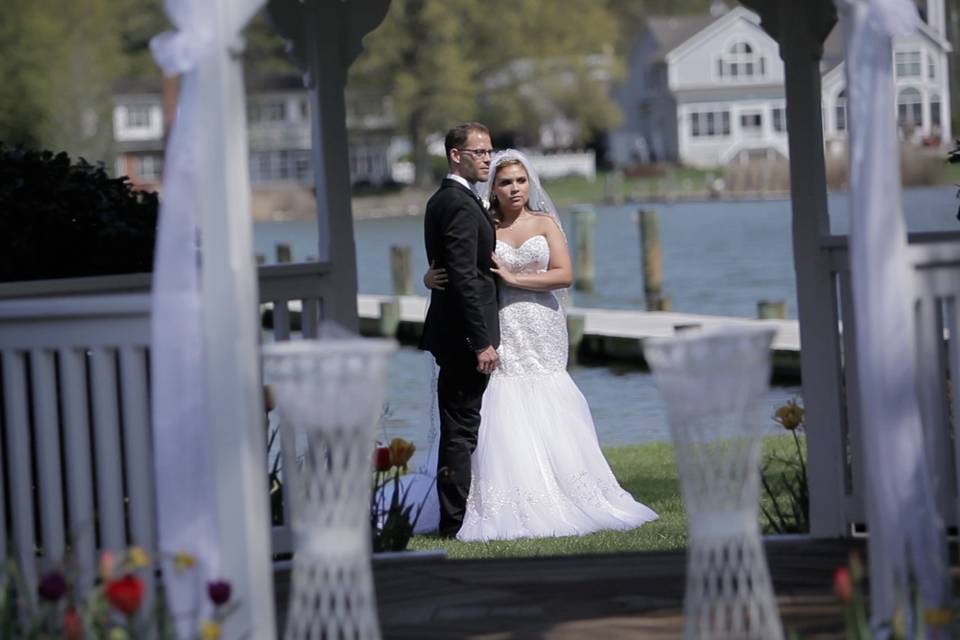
(533, 328)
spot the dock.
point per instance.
(606, 335)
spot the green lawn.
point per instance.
(680, 180)
(649, 473)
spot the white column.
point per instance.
(801, 49)
(231, 336)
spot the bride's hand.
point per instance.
(503, 271)
(435, 277)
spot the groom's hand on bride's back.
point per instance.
(487, 360)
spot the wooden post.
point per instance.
(652, 261)
(261, 259)
(284, 252)
(584, 221)
(576, 324)
(400, 270)
(771, 310)
(389, 318)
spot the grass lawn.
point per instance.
(680, 180)
(649, 473)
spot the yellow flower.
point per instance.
(938, 618)
(137, 558)
(790, 415)
(118, 633)
(183, 561)
(210, 630)
(401, 451)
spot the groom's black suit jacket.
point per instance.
(461, 237)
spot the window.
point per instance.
(779, 119)
(709, 123)
(931, 67)
(149, 167)
(286, 164)
(840, 111)
(910, 107)
(751, 122)
(907, 64)
(741, 61)
(272, 111)
(138, 116)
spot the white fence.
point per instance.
(565, 163)
(76, 470)
(935, 258)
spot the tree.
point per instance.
(59, 61)
(516, 64)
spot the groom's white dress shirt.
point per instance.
(461, 180)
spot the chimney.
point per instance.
(718, 8)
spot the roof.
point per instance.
(672, 31)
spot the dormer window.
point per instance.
(741, 61)
(908, 64)
(138, 116)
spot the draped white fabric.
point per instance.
(183, 454)
(906, 534)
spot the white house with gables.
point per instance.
(708, 89)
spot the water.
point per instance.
(718, 258)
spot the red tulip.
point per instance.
(126, 593)
(381, 459)
(843, 584)
(72, 625)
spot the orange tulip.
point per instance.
(401, 451)
(790, 415)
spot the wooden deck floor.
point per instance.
(611, 596)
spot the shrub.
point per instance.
(61, 219)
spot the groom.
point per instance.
(462, 329)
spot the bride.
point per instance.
(537, 470)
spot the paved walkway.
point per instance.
(608, 596)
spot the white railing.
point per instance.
(935, 258)
(75, 442)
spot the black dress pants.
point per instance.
(460, 390)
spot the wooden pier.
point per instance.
(612, 335)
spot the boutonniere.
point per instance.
(485, 204)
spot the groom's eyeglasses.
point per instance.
(479, 153)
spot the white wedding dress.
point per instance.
(538, 470)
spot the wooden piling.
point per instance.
(284, 252)
(261, 259)
(584, 221)
(772, 310)
(400, 270)
(389, 318)
(652, 261)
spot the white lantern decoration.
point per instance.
(331, 392)
(711, 382)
